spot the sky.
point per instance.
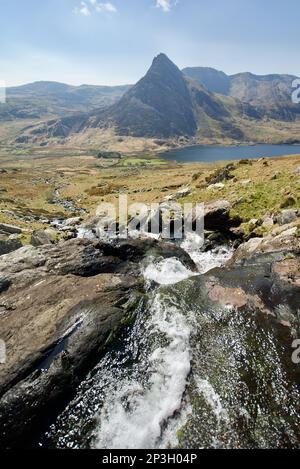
(113, 42)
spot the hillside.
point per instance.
(270, 95)
(51, 99)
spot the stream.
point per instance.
(185, 376)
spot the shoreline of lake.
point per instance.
(216, 153)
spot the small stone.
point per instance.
(245, 182)
(217, 186)
(183, 193)
(268, 223)
(73, 221)
(297, 170)
(169, 198)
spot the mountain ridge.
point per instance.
(270, 94)
(44, 99)
(168, 103)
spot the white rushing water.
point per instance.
(206, 261)
(139, 423)
(137, 415)
(167, 272)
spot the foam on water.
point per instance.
(167, 272)
(212, 399)
(206, 261)
(134, 416)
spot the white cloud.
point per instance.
(165, 5)
(82, 9)
(102, 7)
(95, 6)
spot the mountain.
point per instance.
(159, 105)
(51, 99)
(200, 103)
(163, 104)
(270, 95)
(213, 80)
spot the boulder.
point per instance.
(268, 223)
(9, 244)
(217, 216)
(10, 229)
(42, 237)
(220, 175)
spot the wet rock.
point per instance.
(288, 270)
(62, 306)
(235, 297)
(267, 283)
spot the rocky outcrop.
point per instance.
(60, 308)
(284, 237)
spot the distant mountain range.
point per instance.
(166, 103)
(269, 94)
(51, 99)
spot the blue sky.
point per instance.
(114, 42)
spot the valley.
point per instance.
(28, 185)
(145, 342)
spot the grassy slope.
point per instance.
(28, 186)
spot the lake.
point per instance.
(210, 154)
